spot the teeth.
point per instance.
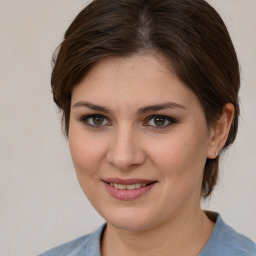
(123, 187)
(131, 186)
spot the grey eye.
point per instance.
(160, 121)
(98, 120)
(95, 120)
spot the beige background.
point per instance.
(41, 204)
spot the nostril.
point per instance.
(125, 157)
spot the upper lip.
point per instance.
(127, 181)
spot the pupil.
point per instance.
(97, 120)
(159, 121)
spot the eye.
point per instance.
(95, 120)
(158, 121)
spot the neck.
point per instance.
(184, 235)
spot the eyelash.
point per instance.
(85, 119)
(168, 119)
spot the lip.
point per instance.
(127, 181)
(128, 194)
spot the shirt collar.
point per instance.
(93, 245)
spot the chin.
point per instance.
(129, 220)
(129, 225)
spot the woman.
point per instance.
(149, 94)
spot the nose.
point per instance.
(125, 150)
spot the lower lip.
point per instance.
(127, 194)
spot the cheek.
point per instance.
(86, 152)
(87, 156)
(180, 156)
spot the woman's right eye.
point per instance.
(95, 120)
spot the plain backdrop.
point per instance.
(41, 203)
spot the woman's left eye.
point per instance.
(160, 121)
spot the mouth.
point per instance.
(128, 189)
(123, 187)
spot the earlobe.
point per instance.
(219, 131)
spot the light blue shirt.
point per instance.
(224, 241)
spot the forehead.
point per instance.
(135, 63)
(135, 80)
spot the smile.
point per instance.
(128, 189)
(123, 187)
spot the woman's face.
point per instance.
(139, 141)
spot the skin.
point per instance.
(127, 143)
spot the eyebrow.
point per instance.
(157, 107)
(92, 106)
(150, 108)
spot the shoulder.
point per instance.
(87, 245)
(226, 241)
(69, 248)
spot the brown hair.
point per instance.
(190, 33)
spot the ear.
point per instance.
(219, 131)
